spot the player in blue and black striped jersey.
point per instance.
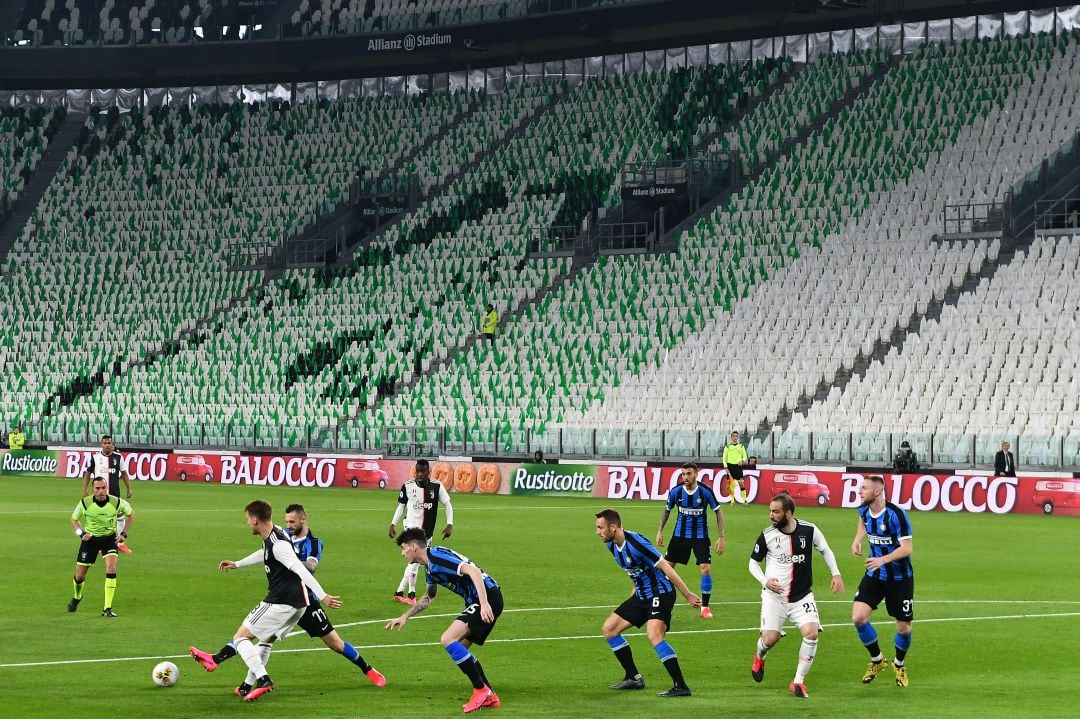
(693, 500)
(655, 582)
(888, 576)
(483, 605)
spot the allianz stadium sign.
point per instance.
(409, 43)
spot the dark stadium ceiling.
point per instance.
(650, 25)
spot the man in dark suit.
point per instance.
(1004, 462)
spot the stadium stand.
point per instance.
(815, 290)
(24, 135)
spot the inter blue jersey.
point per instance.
(443, 570)
(693, 519)
(308, 546)
(884, 533)
(638, 558)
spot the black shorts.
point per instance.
(735, 471)
(478, 628)
(638, 611)
(315, 622)
(899, 596)
(679, 551)
(91, 548)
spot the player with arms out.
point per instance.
(651, 602)
(693, 500)
(419, 501)
(483, 605)
(889, 576)
(108, 464)
(95, 520)
(273, 618)
(787, 585)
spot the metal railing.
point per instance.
(942, 450)
(1060, 214)
(973, 217)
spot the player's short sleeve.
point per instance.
(403, 496)
(445, 561)
(444, 496)
(315, 547)
(760, 549)
(644, 549)
(671, 497)
(710, 498)
(901, 526)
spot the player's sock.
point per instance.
(762, 650)
(706, 589)
(110, 588)
(480, 669)
(264, 652)
(252, 656)
(404, 579)
(78, 589)
(868, 636)
(227, 652)
(903, 642)
(466, 663)
(806, 659)
(353, 656)
(621, 647)
(671, 662)
(411, 573)
(121, 524)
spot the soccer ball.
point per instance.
(166, 674)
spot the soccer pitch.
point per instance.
(996, 632)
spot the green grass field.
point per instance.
(996, 633)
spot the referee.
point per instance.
(734, 459)
(94, 520)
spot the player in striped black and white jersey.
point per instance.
(419, 501)
(889, 576)
(108, 464)
(787, 585)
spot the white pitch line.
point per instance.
(996, 617)
(169, 510)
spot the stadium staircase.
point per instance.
(487, 153)
(753, 172)
(1015, 240)
(331, 237)
(51, 160)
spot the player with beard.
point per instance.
(888, 576)
(787, 585)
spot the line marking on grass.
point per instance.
(594, 637)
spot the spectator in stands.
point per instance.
(751, 462)
(489, 322)
(1004, 462)
(16, 439)
(905, 460)
(538, 457)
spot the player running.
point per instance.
(787, 585)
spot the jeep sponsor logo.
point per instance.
(275, 471)
(14, 462)
(409, 43)
(571, 479)
(791, 558)
(953, 493)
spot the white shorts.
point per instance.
(775, 611)
(269, 622)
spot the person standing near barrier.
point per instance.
(734, 459)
